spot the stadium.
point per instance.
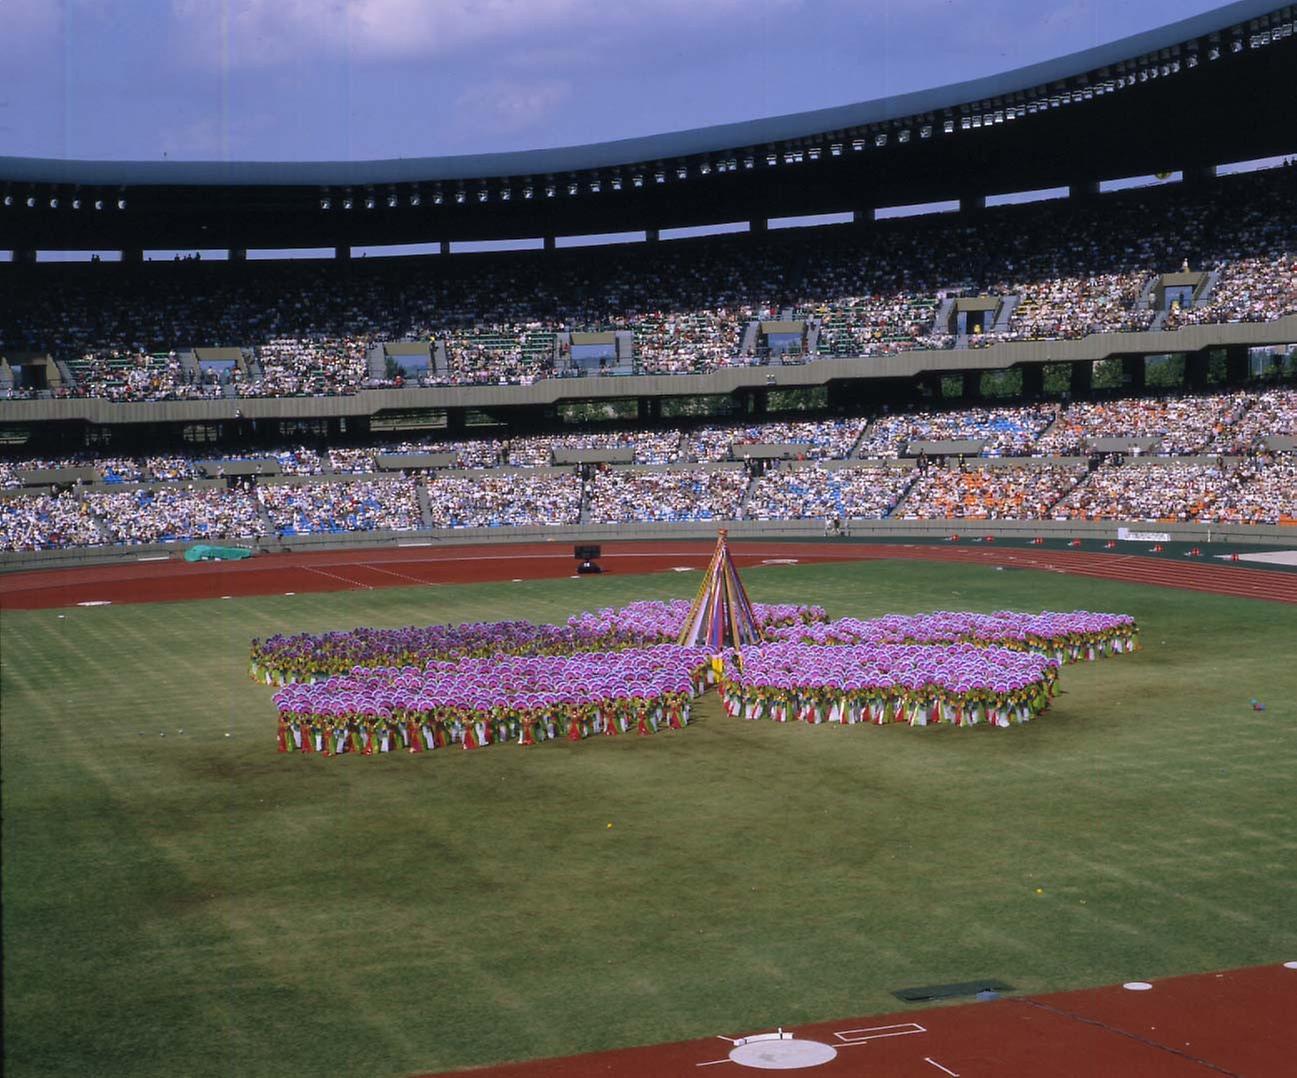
(1021, 343)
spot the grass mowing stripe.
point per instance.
(260, 914)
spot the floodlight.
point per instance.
(772, 159)
(814, 153)
(904, 136)
(550, 190)
(637, 180)
(948, 127)
(391, 202)
(416, 199)
(705, 168)
(369, 202)
(659, 177)
(326, 204)
(528, 192)
(31, 202)
(76, 203)
(121, 203)
(438, 198)
(9, 200)
(482, 194)
(858, 144)
(1213, 53)
(682, 172)
(347, 203)
(54, 203)
(749, 162)
(572, 188)
(880, 139)
(616, 183)
(99, 203)
(596, 186)
(506, 194)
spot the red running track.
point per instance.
(272, 574)
(1237, 1023)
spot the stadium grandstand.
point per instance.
(1042, 361)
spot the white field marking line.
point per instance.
(345, 580)
(874, 1033)
(929, 1059)
(393, 572)
(155, 557)
(713, 1062)
(728, 1040)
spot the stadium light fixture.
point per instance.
(1192, 61)
(1213, 53)
(369, 202)
(1236, 45)
(573, 188)
(121, 203)
(550, 190)
(326, 203)
(659, 177)
(880, 139)
(734, 164)
(682, 172)
(76, 203)
(438, 198)
(528, 192)
(616, 183)
(637, 180)
(9, 200)
(749, 162)
(925, 131)
(948, 127)
(904, 136)
(482, 194)
(857, 144)
(460, 197)
(596, 187)
(705, 168)
(506, 194)
(347, 203)
(814, 153)
(31, 202)
(772, 159)
(99, 203)
(54, 203)
(416, 199)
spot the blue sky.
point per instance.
(356, 79)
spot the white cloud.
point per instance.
(241, 32)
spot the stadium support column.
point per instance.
(1082, 382)
(25, 256)
(1199, 174)
(551, 243)
(1033, 380)
(971, 203)
(1195, 369)
(648, 408)
(972, 385)
(1080, 189)
(237, 254)
(758, 226)
(1133, 370)
(1236, 364)
(652, 235)
(133, 255)
(864, 217)
(342, 254)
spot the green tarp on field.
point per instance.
(217, 553)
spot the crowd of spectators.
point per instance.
(352, 506)
(818, 439)
(42, 522)
(812, 492)
(176, 514)
(1179, 425)
(1262, 490)
(1076, 266)
(1009, 431)
(1172, 492)
(510, 499)
(1272, 412)
(648, 446)
(630, 495)
(990, 492)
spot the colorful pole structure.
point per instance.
(721, 615)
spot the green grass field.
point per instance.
(196, 904)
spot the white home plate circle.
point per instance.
(781, 1054)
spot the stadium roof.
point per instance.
(1201, 91)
